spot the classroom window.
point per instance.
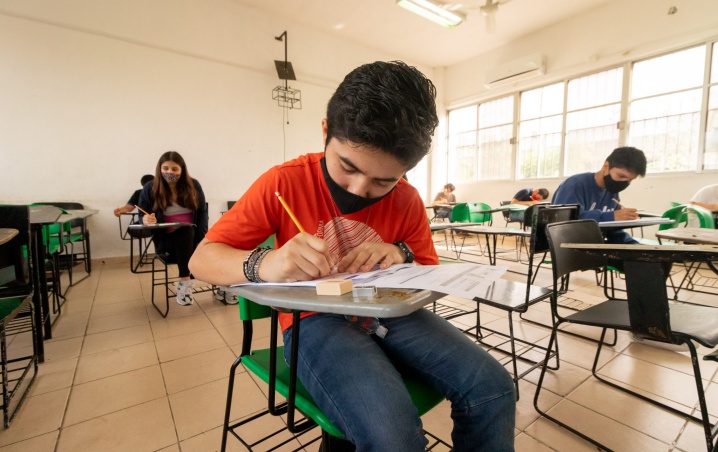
(593, 111)
(710, 150)
(462, 153)
(665, 109)
(540, 130)
(496, 127)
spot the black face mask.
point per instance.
(614, 186)
(346, 202)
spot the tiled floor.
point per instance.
(119, 377)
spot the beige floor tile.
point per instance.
(604, 430)
(232, 333)
(195, 370)
(177, 327)
(628, 410)
(226, 315)
(175, 311)
(62, 348)
(654, 379)
(557, 438)
(117, 293)
(110, 394)
(38, 415)
(42, 443)
(54, 375)
(189, 344)
(66, 330)
(562, 381)
(113, 362)
(692, 438)
(122, 307)
(116, 322)
(526, 414)
(525, 443)
(172, 448)
(111, 340)
(145, 427)
(201, 408)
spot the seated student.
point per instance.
(706, 197)
(597, 193)
(444, 197)
(358, 212)
(529, 196)
(135, 198)
(175, 196)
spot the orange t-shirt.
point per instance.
(400, 216)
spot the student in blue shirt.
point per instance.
(597, 193)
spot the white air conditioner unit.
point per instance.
(513, 71)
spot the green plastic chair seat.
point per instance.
(424, 397)
(8, 305)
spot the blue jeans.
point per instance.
(354, 380)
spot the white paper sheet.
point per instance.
(462, 279)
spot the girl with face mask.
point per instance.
(175, 197)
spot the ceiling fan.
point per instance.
(488, 9)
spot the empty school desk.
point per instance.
(489, 232)
(700, 236)
(41, 215)
(82, 214)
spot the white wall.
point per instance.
(92, 92)
(620, 31)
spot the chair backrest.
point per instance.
(703, 216)
(66, 206)
(567, 260)
(230, 204)
(15, 276)
(544, 214)
(460, 213)
(475, 216)
(505, 212)
(677, 214)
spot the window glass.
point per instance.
(667, 73)
(594, 110)
(710, 156)
(540, 131)
(462, 144)
(666, 129)
(495, 133)
(714, 65)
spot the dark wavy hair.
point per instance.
(386, 105)
(186, 193)
(628, 158)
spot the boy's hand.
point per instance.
(625, 214)
(303, 258)
(365, 256)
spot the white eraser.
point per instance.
(334, 287)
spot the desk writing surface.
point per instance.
(651, 221)
(690, 235)
(81, 213)
(649, 253)
(387, 303)
(44, 214)
(491, 230)
(159, 225)
(6, 234)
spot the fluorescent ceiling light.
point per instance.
(432, 11)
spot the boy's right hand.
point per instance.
(625, 214)
(303, 258)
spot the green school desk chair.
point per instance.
(16, 310)
(270, 367)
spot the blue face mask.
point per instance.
(346, 201)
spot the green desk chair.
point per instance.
(703, 218)
(16, 310)
(270, 367)
(476, 217)
(77, 234)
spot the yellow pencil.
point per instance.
(142, 210)
(616, 201)
(289, 211)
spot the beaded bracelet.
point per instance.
(258, 260)
(250, 266)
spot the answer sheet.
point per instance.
(462, 279)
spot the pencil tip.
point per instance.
(277, 194)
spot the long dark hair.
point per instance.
(186, 193)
